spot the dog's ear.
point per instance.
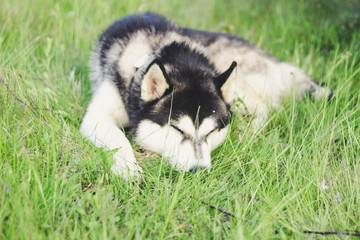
(154, 83)
(225, 82)
(223, 77)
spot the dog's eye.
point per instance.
(212, 131)
(177, 129)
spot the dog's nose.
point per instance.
(196, 168)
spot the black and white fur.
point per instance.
(174, 87)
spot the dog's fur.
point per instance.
(174, 87)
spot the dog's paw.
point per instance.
(128, 171)
(259, 122)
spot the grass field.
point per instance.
(302, 172)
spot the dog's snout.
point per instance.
(196, 168)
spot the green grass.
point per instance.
(56, 185)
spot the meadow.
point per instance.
(299, 173)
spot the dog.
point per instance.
(175, 89)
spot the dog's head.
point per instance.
(180, 113)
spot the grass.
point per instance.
(56, 185)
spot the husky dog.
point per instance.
(174, 88)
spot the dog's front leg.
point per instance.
(104, 133)
(100, 125)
